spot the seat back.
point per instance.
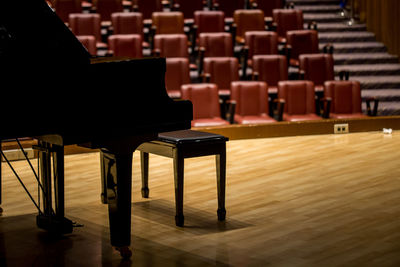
(65, 7)
(287, 20)
(127, 23)
(171, 45)
(261, 43)
(317, 67)
(209, 21)
(222, 70)
(345, 95)
(271, 68)
(85, 24)
(216, 44)
(248, 20)
(168, 22)
(302, 42)
(205, 99)
(147, 7)
(126, 45)
(188, 7)
(106, 7)
(299, 97)
(176, 75)
(251, 98)
(89, 42)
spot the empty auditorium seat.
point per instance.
(251, 98)
(299, 97)
(205, 100)
(221, 71)
(346, 100)
(270, 69)
(127, 23)
(209, 21)
(167, 22)
(177, 74)
(287, 20)
(171, 45)
(87, 24)
(301, 42)
(248, 20)
(317, 68)
(125, 45)
(258, 43)
(89, 42)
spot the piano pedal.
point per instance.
(125, 252)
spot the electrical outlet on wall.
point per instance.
(341, 128)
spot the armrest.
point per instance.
(152, 33)
(328, 49)
(202, 50)
(255, 76)
(344, 75)
(193, 37)
(280, 105)
(301, 74)
(156, 52)
(233, 33)
(325, 105)
(288, 52)
(313, 25)
(374, 111)
(206, 77)
(245, 57)
(231, 111)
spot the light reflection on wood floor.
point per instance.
(327, 200)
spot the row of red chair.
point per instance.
(296, 102)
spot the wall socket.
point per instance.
(341, 128)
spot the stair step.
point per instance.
(357, 47)
(342, 37)
(319, 9)
(364, 58)
(370, 69)
(382, 94)
(378, 82)
(314, 2)
(339, 27)
(323, 18)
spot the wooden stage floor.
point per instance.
(318, 200)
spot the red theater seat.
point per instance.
(177, 74)
(287, 20)
(302, 42)
(205, 100)
(346, 100)
(125, 45)
(299, 97)
(270, 69)
(248, 20)
(251, 99)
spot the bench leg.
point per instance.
(178, 179)
(221, 180)
(144, 163)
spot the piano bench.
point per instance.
(186, 144)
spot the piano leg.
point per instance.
(118, 184)
(50, 219)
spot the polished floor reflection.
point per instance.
(327, 200)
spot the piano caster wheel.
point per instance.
(145, 192)
(179, 220)
(221, 214)
(125, 252)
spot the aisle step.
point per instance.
(343, 37)
(370, 69)
(365, 58)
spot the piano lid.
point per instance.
(31, 34)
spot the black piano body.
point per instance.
(52, 90)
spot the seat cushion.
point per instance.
(209, 122)
(302, 117)
(254, 119)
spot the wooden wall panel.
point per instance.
(383, 18)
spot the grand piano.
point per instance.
(53, 91)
